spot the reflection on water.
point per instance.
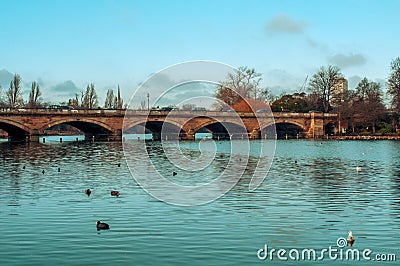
(312, 195)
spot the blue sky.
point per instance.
(67, 44)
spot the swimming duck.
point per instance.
(88, 191)
(114, 193)
(102, 226)
(350, 239)
(174, 173)
(358, 168)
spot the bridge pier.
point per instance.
(255, 134)
(316, 126)
(189, 135)
(116, 135)
(34, 136)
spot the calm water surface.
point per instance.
(312, 195)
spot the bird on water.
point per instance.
(115, 193)
(102, 226)
(350, 239)
(88, 191)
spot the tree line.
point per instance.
(86, 99)
(361, 110)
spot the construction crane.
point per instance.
(304, 84)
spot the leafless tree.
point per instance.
(110, 99)
(368, 102)
(323, 82)
(393, 83)
(243, 83)
(34, 96)
(14, 92)
(89, 97)
(120, 101)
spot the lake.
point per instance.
(314, 193)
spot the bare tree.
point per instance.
(393, 83)
(188, 106)
(120, 102)
(14, 92)
(74, 102)
(110, 100)
(89, 97)
(323, 82)
(243, 83)
(368, 103)
(2, 103)
(34, 100)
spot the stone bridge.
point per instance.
(102, 124)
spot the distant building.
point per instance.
(339, 91)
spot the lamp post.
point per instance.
(339, 118)
(148, 101)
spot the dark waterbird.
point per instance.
(88, 191)
(174, 173)
(102, 226)
(114, 193)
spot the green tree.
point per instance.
(393, 84)
(34, 100)
(323, 82)
(14, 92)
(290, 103)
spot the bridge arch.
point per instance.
(90, 127)
(282, 129)
(16, 131)
(165, 130)
(219, 129)
(330, 128)
(129, 124)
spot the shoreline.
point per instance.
(364, 137)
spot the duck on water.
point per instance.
(102, 226)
